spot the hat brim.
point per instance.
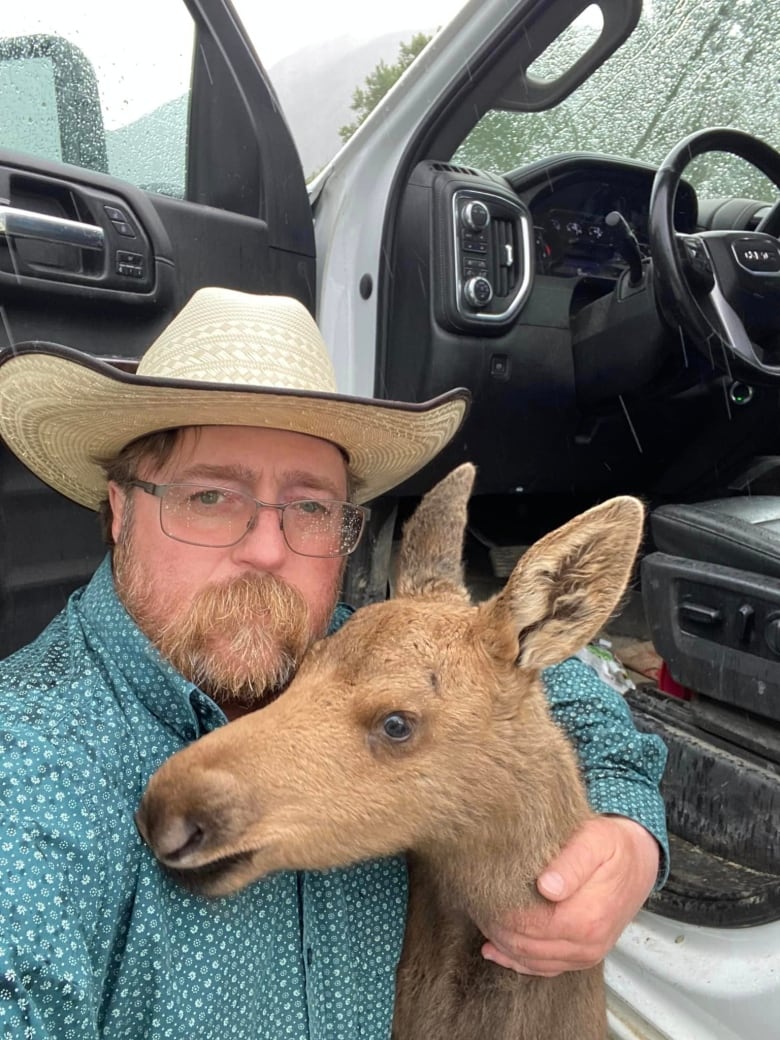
(61, 411)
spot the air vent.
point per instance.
(505, 256)
(465, 171)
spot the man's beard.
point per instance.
(241, 641)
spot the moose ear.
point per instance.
(565, 587)
(430, 559)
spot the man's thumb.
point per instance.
(571, 868)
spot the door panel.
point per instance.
(77, 238)
(102, 262)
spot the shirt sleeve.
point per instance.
(46, 987)
(622, 767)
(341, 613)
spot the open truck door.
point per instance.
(108, 225)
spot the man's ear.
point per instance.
(117, 499)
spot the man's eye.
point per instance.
(312, 508)
(208, 497)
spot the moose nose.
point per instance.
(171, 838)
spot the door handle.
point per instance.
(25, 223)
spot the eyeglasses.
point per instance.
(199, 514)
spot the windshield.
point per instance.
(688, 65)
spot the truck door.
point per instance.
(143, 155)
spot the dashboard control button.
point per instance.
(474, 243)
(123, 228)
(478, 291)
(475, 215)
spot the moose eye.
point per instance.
(397, 727)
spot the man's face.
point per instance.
(235, 620)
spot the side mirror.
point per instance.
(51, 104)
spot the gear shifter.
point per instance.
(627, 245)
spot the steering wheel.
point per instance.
(720, 288)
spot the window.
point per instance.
(80, 85)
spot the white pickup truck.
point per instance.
(570, 208)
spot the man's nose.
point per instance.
(263, 546)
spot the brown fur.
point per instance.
(481, 795)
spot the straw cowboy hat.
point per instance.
(227, 359)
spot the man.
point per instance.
(231, 478)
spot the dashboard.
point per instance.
(569, 201)
(510, 285)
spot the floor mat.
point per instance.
(638, 657)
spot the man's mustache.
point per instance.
(241, 640)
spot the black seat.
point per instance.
(741, 532)
(712, 599)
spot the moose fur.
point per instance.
(422, 727)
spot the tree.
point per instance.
(378, 82)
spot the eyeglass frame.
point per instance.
(159, 491)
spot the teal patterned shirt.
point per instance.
(96, 940)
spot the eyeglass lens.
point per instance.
(217, 517)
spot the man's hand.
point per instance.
(594, 886)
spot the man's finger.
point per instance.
(574, 864)
(547, 966)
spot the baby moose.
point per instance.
(421, 727)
